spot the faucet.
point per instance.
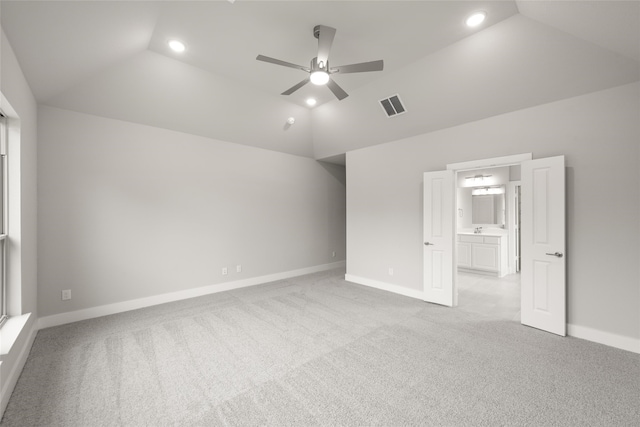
(477, 230)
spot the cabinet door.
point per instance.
(464, 254)
(485, 257)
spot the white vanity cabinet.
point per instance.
(485, 254)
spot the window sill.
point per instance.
(11, 330)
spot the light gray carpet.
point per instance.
(317, 350)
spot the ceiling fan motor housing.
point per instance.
(316, 66)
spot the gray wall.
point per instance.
(598, 133)
(128, 211)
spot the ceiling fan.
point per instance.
(320, 72)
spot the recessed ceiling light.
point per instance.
(311, 102)
(177, 46)
(476, 19)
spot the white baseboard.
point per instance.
(14, 358)
(412, 293)
(589, 334)
(606, 338)
(120, 307)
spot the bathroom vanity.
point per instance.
(484, 253)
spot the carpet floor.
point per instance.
(317, 350)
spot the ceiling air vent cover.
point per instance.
(392, 106)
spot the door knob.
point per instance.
(429, 244)
(558, 254)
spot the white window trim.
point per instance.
(3, 219)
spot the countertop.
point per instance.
(488, 232)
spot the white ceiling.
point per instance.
(613, 25)
(62, 42)
(111, 59)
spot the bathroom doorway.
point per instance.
(543, 239)
(497, 297)
(487, 241)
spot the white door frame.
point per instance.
(511, 223)
(480, 164)
(495, 162)
(547, 281)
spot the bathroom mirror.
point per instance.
(488, 208)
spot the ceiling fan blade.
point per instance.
(325, 40)
(296, 87)
(283, 63)
(337, 90)
(359, 68)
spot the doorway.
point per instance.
(497, 297)
(487, 224)
(543, 264)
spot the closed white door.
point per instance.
(438, 237)
(543, 277)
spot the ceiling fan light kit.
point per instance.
(319, 78)
(320, 72)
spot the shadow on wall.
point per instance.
(339, 172)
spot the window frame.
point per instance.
(3, 218)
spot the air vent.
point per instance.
(392, 106)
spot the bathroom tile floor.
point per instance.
(489, 295)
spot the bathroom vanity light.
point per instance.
(477, 179)
(485, 191)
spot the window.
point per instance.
(3, 218)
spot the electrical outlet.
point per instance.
(390, 271)
(238, 268)
(66, 294)
(333, 254)
(225, 271)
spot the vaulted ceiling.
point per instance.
(111, 59)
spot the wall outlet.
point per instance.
(238, 268)
(390, 271)
(66, 294)
(225, 271)
(333, 254)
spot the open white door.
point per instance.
(543, 293)
(438, 237)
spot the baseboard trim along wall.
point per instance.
(589, 334)
(606, 338)
(14, 355)
(412, 293)
(120, 307)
